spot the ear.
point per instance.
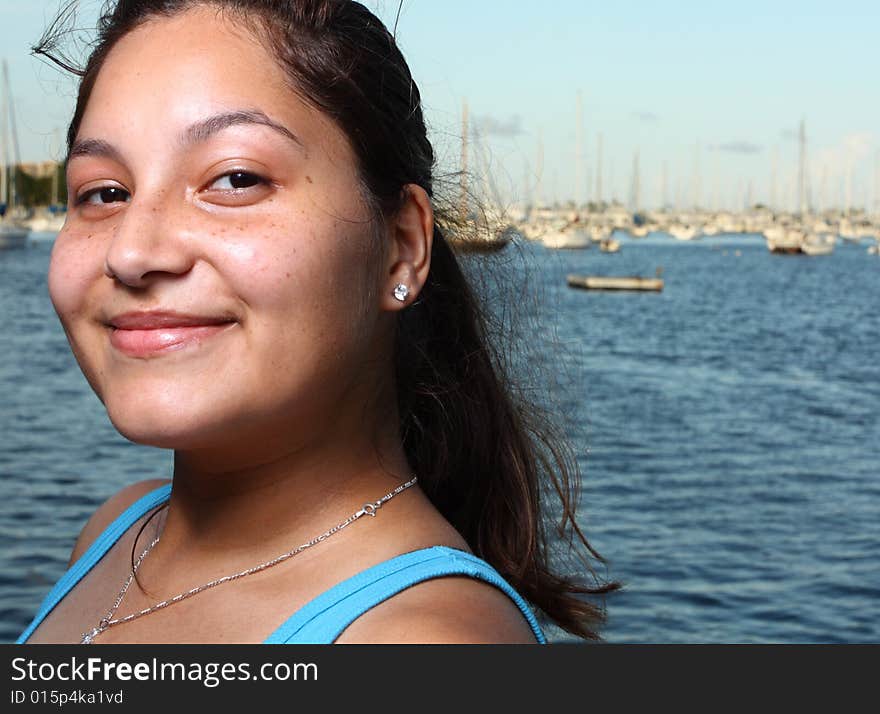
(411, 233)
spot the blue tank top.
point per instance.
(323, 619)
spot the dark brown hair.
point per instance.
(489, 460)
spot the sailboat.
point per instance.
(576, 232)
(487, 231)
(13, 233)
(818, 244)
(798, 238)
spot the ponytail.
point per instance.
(481, 454)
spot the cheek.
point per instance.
(73, 266)
(261, 272)
(309, 262)
(313, 284)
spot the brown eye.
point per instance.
(236, 181)
(104, 196)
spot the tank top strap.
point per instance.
(95, 552)
(323, 619)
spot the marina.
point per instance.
(579, 224)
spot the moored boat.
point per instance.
(568, 237)
(784, 240)
(609, 245)
(818, 244)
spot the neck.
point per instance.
(285, 491)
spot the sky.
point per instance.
(709, 94)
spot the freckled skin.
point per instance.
(282, 423)
(303, 329)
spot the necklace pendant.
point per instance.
(88, 637)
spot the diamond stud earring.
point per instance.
(401, 292)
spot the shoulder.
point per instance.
(445, 610)
(108, 511)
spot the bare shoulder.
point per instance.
(447, 610)
(107, 512)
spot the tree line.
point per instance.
(34, 192)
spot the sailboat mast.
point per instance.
(664, 188)
(55, 179)
(3, 164)
(802, 170)
(16, 159)
(712, 202)
(877, 182)
(539, 171)
(463, 198)
(492, 202)
(599, 169)
(579, 152)
(635, 198)
(4, 153)
(774, 168)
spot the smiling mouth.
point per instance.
(144, 335)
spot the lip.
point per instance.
(152, 333)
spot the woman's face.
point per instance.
(217, 276)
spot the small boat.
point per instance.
(683, 232)
(709, 230)
(603, 282)
(784, 240)
(571, 236)
(818, 244)
(609, 245)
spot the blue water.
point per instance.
(728, 430)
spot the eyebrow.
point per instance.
(194, 134)
(206, 128)
(94, 147)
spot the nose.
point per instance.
(148, 244)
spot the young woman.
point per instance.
(252, 275)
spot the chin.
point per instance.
(159, 435)
(162, 426)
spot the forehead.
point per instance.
(171, 72)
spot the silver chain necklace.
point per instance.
(369, 509)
